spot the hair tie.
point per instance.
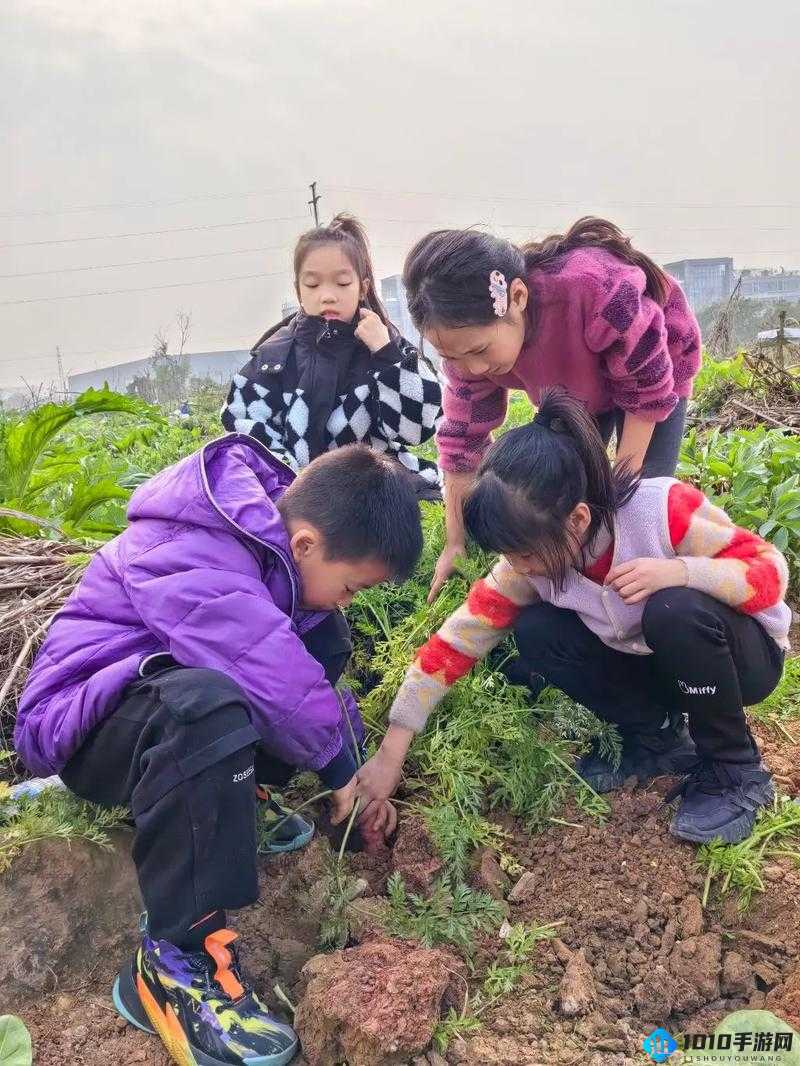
(498, 290)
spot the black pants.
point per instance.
(708, 662)
(181, 752)
(661, 456)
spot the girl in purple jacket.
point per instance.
(198, 656)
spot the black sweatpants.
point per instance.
(708, 662)
(180, 751)
(661, 456)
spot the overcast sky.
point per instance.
(677, 118)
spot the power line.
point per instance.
(146, 288)
(81, 208)
(155, 232)
(145, 262)
(565, 203)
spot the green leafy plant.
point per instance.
(15, 1042)
(783, 704)
(754, 475)
(739, 866)
(452, 914)
(53, 814)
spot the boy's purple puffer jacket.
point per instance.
(203, 572)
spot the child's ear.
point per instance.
(580, 519)
(303, 542)
(364, 288)
(518, 294)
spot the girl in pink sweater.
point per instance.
(585, 311)
(639, 599)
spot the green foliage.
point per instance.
(453, 914)
(717, 380)
(784, 703)
(454, 1026)
(15, 1042)
(739, 866)
(53, 814)
(754, 475)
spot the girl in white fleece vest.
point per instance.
(638, 598)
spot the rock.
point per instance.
(785, 1000)
(774, 872)
(690, 917)
(560, 950)
(767, 974)
(698, 962)
(653, 996)
(641, 910)
(414, 857)
(577, 993)
(737, 975)
(668, 939)
(524, 889)
(61, 909)
(489, 877)
(374, 1005)
(435, 1059)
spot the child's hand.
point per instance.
(371, 331)
(379, 817)
(639, 578)
(379, 777)
(342, 800)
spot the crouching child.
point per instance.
(194, 662)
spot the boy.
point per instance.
(196, 657)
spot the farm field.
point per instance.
(517, 917)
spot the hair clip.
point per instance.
(498, 290)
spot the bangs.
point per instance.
(504, 521)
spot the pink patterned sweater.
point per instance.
(597, 334)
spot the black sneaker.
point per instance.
(721, 800)
(669, 750)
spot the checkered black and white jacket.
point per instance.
(312, 386)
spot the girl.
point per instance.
(337, 372)
(639, 599)
(584, 310)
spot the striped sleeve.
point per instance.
(731, 564)
(468, 635)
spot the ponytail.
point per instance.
(589, 232)
(533, 477)
(346, 231)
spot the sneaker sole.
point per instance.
(295, 844)
(129, 1006)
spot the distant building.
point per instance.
(393, 294)
(218, 366)
(705, 281)
(289, 307)
(771, 285)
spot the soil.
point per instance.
(635, 948)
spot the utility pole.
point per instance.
(312, 203)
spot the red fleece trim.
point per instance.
(682, 502)
(492, 606)
(439, 657)
(598, 570)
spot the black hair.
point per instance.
(446, 273)
(364, 504)
(347, 232)
(533, 477)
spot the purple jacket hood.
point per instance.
(204, 572)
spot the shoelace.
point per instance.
(204, 965)
(707, 776)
